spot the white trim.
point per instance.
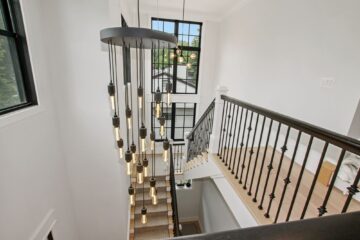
(19, 115)
(45, 226)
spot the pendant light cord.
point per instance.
(183, 13)
(138, 12)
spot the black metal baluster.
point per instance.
(353, 189)
(300, 177)
(237, 141)
(233, 140)
(227, 134)
(246, 148)
(287, 179)
(322, 208)
(230, 136)
(221, 129)
(283, 150)
(241, 144)
(270, 167)
(263, 162)
(251, 152)
(314, 180)
(224, 131)
(257, 156)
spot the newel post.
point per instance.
(219, 104)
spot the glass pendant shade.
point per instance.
(111, 91)
(193, 56)
(132, 196)
(140, 173)
(146, 167)
(158, 110)
(155, 199)
(133, 153)
(166, 146)
(143, 215)
(116, 125)
(152, 187)
(178, 51)
(152, 141)
(143, 133)
(169, 88)
(128, 114)
(162, 128)
(188, 65)
(140, 96)
(128, 162)
(181, 59)
(120, 144)
(172, 55)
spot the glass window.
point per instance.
(166, 64)
(180, 118)
(16, 83)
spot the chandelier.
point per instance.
(178, 52)
(134, 147)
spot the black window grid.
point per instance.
(190, 83)
(14, 32)
(177, 109)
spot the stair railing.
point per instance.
(199, 137)
(249, 140)
(343, 226)
(178, 155)
(175, 215)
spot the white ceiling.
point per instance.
(213, 7)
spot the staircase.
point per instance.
(160, 223)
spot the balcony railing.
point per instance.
(259, 147)
(244, 130)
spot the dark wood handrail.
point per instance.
(203, 116)
(175, 214)
(345, 142)
(342, 226)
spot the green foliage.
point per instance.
(9, 94)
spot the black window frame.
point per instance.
(182, 48)
(172, 119)
(15, 29)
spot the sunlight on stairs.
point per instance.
(160, 223)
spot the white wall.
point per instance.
(277, 53)
(79, 78)
(215, 215)
(189, 201)
(33, 177)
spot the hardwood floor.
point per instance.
(334, 205)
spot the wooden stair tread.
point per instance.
(160, 195)
(146, 234)
(153, 221)
(162, 207)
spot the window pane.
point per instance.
(169, 27)
(178, 133)
(195, 29)
(11, 84)
(2, 19)
(194, 41)
(184, 28)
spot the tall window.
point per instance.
(17, 88)
(165, 63)
(180, 118)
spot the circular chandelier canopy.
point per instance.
(138, 37)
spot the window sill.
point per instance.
(19, 115)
